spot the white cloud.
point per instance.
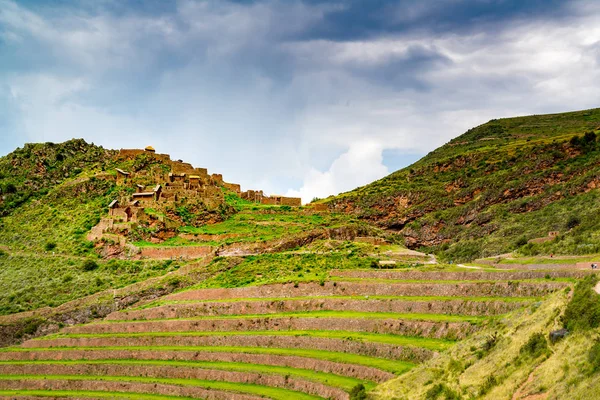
(361, 164)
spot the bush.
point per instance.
(594, 356)
(49, 246)
(522, 241)
(535, 346)
(440, 389)
(583, 311)
(572, 222)
(89, 265)
(358, 392)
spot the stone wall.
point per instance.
(129, 387)
(456, 307)
(483, 289)
(351, 346)
(371, 240)
(180, 372)
(234, 187)
(352, 370)
(166, 253)
(458, 276)
(432, 329)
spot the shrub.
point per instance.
(489, 383)
(572, 222)
(440, 389)
(583, 311)
(535, 346)
(594, 356)
(49, 246)
(89, 265)
(358, 392)
(522, 241)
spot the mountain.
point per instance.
(493, 189)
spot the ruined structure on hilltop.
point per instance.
(258, 196)
(163, 184)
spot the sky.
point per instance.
(302, 98)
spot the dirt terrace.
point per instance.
(289, 382)
(458, 276)
(372, 349)
(486, 289)
(431, 329)
(351, 370)
(129, 387)
(459, 307)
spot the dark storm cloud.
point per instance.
(355, 20)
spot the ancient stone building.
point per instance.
(122, 176)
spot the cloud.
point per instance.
(289, 96)
(359, 165)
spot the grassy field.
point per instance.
(31, 281)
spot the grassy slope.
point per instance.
(514, 354)
(493, 188)
(43, 246)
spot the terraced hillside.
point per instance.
(315, 339)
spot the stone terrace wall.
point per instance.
(372, 349)
(431, 329)
(353, 370)
(462, 307)
(130, 387)
(165, 253)
(505, 289)
(458, 276)
(180, 372)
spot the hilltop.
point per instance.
(494, 189)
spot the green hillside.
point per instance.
(494, 188)
(109, 290)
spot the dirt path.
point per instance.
(597, 288)
(518, 395)
(468, 266)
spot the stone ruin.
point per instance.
(186, 181)
(181, 182)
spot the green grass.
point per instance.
(398, 340)
(300, 298)
(281, 267)
(88, 394)
(259, 224)
(31, 281)
(393, 366)
(324, 314)
(271, 392)
(343, 382)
